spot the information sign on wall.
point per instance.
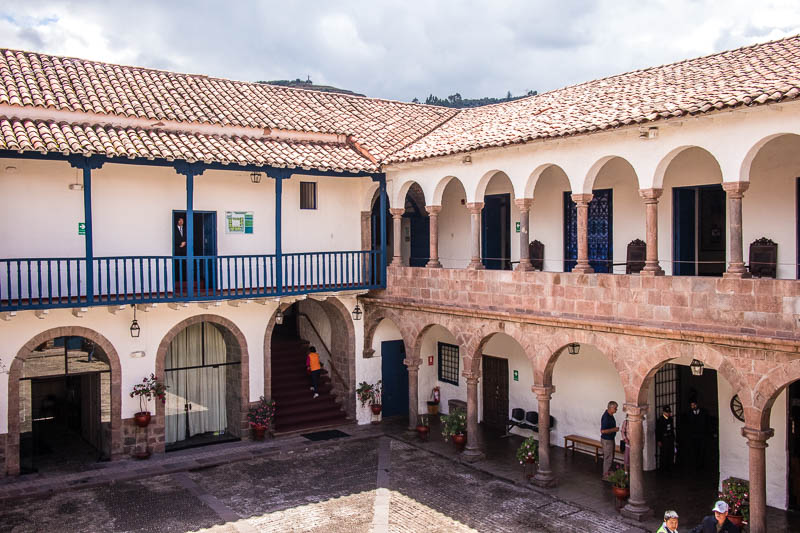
(516, 375)
(238, 222)
(81, 228)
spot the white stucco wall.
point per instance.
(369, 369)
(547, 217)
(454, 227)
(429, 375)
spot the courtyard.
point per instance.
(375, 483)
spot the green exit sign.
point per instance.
(516, 375)
(517, 227)
(81, 228)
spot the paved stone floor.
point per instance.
(349, 485)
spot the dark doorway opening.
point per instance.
(394, 375)
(495, 392)
(376, 239)
(496, 231)
(419, 232)
(205, 248)
(793, 432)
(601, 249)
(65, 407)
(203, 381)
(698, 247)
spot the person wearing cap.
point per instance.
(718, 523)
(665, 438)
(670, 524)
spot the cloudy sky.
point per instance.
(397, 49)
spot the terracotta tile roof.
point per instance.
(69, 84)
(753, 75)
(47, 136)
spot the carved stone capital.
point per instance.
(635, 412)
(582, 199)
(735, 189)
(433, 209)
(412, 364)
(523, 204)
(650, 195)
(757, 438)
(543, 392)
(397, 212)
(475, 208)
(471, 377)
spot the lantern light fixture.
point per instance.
(255, 177)
(357, 312)
(135, 329)
(574, 348)
(697, 367)
(279, 317)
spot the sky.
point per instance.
(397, 49)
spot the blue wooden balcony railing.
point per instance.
(41, 283)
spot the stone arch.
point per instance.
(400, 200)
(455, 332)
(657, 355)
(441, 186)
(663, 164)
(236, 345)
(483, 183)
(483, 336)
(373, 316)
(533, 179)
(370, 195)
(766, 391)
(15, 372)
(747, 162)
(594, 171)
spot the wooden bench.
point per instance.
(589, 443)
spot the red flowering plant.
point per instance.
(736, 493)
(262, 413)
(150, 388)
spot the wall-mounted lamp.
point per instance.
(135, 329)
(138, 354)
(648, 133)
(697, 367)
(357, 312)
(255, 177)
(279, 317)
(574, 348)
(467, 160)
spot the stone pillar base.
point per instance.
(583, 270)
(544, 480)
(637, 512)
(473, 265)
(472, 456)
(433, 264)
(396, 263)
(524, 267)
(736, 275)
(655, 272)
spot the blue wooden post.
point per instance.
(382, 181)
(190, 170)
(279, 176)
(87, 164)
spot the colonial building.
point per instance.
(633, 238)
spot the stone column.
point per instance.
(524, 206)
(413, 393)
(544, 475)
(472, 451)
(397, 219)
(582, 265)
(651, 266)
(735, 190)
(757, 443)
(636, 507)
(433, 217)
(475, 209)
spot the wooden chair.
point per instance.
(637, 253)
(763, 262)
(536, 251)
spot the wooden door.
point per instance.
(394, 374)
(495, 392)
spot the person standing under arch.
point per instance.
(608, 435)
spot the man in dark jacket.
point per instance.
(665, 438)
(718, 523)
(694, 428)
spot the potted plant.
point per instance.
(423, 427)
(619, 483)
(528, 451)
(365, 392)
(736, 493)
(375, 402)
(150, 388)
(261, 416)
(433, 403)
(454, 427)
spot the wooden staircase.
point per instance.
(295, 407)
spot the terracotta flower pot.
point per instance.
(423, 432)
(142, 419)
(736, 519)
(621, 493)
(460, 440)
(259, 432)
(376, 409)
(530, 460)
(433, 408)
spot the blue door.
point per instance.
(496, 231)
(600, 231)
(395, 378)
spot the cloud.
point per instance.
(397, 49)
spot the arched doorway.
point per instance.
(64, 405)
(203, 374)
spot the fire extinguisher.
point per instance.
(435, 394)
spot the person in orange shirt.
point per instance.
(315, 369)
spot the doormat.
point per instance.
(325, 435)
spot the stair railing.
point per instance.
(321, 341)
